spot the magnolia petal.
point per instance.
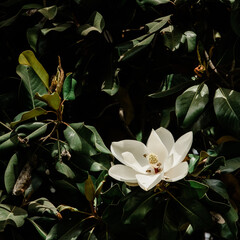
(131, 161)
(155, 145)
(178, 172)
(147, 182)
(181, 148)
(138, 149)
(166, 138)
(168, 164)
(123, 173)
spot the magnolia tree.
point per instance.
(119, 119)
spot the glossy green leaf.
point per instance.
(69, 86)
(11, 173)
(32, 130)
(11, 215)
(28, 58)
(66, 230)
(29, 115)
(191, 103)
(41, 232)
(9, 142)
(32, 84)
(49, 12)
(172, 37)
(198, 187)
(89, 189)
(227, 109)
(53, 100)
(152, 2)
(191, 39)
(137, 206)
(42, 206)
(231, 165)
(65, 170)
(194, 159)
(173, 83)
(217, 186)
(85, 139)
(162, 225)
(229, 229)
(95, 23)
(131, 48)
(61, 27)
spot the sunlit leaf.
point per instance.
(53, 100)
(49, 12)
(33, 84)
(28, 58)
(95, 23)
(29, 115)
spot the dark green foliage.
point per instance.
(77, 75)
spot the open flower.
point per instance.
(146, 165)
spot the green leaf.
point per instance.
(190, 104)
(33, 35)
(137, 206)
(32, 84)
(42, 206)
(60, 27)
(198, 187)
(69, 230)
(231, 165)
(172, 37)
(194, 159)
(227, 109)
(42, 233)
(69, 88)
(89, 189)
(217, 186)
(11, 173)
(11, 215)
(32, 130)
(172, 84)
(29, 115)
(85, 139)
(11, 20)
(229, 229)
(49, 12)
(9, 141)
(191, 39)
(65, 170)
(28, 58)
(95, 23)
(129, 49)
(53, 100)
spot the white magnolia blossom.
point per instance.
(146, 165)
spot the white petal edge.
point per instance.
(166, 137)
(182, 147)
(177, 173)
(147, 182)
(123, 173)
(155, 145)
(138, 149)
(131, 161)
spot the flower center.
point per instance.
(153, 159)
